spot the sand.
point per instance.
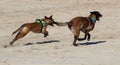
(57, 48)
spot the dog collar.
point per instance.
(93, 19)
(43, 23)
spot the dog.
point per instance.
(84, 24)
(39, 26)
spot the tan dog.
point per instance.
(84, 24)
(35, 27)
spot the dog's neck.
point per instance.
(92, 18)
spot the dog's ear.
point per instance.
(93, 12)
(51, 16)
(45, 17)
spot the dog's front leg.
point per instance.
(89, 36)
(45, 32)
(81, 39)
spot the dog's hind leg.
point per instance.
(20, 34)
(16, 38)
(76, 32)
(18, 29)
(75, 39)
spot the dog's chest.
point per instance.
(87, 28)
(90, 27)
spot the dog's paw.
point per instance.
(81, 39)
(45, 35)
(75, 44)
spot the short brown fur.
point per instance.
(84, 24)
(33, 27)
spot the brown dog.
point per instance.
(35, 27)
(84, 24)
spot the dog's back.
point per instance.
(78, 22)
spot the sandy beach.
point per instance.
(57, 48)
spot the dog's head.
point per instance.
(49, 20)
(97, 14)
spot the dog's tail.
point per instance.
(61, 23)
(18, 29)
(64, 24)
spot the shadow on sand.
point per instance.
(91, 43)
(44, 42)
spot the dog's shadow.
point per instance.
(43, 42)
(91, 43)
